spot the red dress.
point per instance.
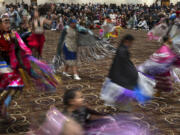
(36, 41)
(9, 75)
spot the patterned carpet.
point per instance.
(161, 115)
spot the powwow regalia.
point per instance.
(36, 39)
(80, 45)
(164, 64)
(124, 83)
(56, 123)
(109, 30)
(18, 67)
(53, 124)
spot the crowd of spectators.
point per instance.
(91, 15)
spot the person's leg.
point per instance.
(74, 69)
(66, 67)
(6, 103)
(3, 95)
(65, 73)
(75, 72)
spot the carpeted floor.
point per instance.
(161, 115)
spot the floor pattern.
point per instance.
(161, 115)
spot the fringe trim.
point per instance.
(97, 52)
(87, 54)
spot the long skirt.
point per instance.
(113, 93)
(164, 82)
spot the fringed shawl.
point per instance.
(89, 47)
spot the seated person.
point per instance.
(143, 24)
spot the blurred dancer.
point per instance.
(56, 124)
(70, 49)
(75, 108)
(164, 63)
(124, 83)
(37, 38)
(15, 66)
(78, 44)
(161, 65)
(123, 72)
(69, 46)
(10, 81)
(164, 80)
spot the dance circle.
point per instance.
(88, 70)
(170, 110)
(108, 109)
(97, 76)
(45, 101)
(89, 91)
(18, 128)
(140, 116)
(19, 111)
(74, 86)
(90, 99)
(57, 98)
(153, 105)
(163, 132)
(173, 119)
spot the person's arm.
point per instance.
(83, 29)
(140, 24)
(61, 41)
(18, 54)
(93, 112)
(93, 115)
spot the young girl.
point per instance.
(75, 108)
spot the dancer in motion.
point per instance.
(165, 62)
(78, 44)
(36, 39)
(159, 65)
(69, 39)
(88, 121)
(75, 108)
(109, 30)
(15, 63)
(10, 81)
(124, 83)
(56, 124)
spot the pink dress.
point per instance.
(160, 65)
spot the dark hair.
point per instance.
(165, 39)
(42, 10)
(69, 95)
(127, 37)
